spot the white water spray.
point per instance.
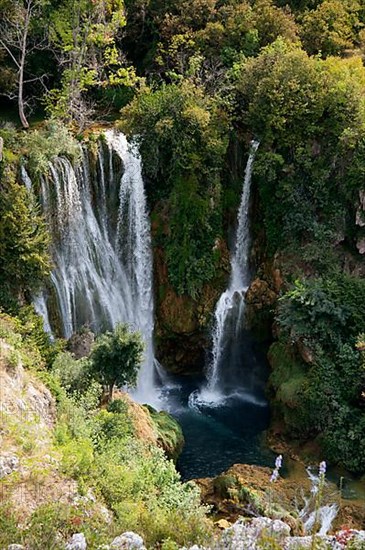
(25, 178)
(232, 301)
(102, 251)
(321, 518)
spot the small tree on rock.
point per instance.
(117, 356)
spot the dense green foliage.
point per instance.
(197, 79)
(24, 242)
(123, 481)
(183, 136)
(321, 380)
(116, 357)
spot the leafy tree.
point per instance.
(299, 5)
(285, 92)
(272, 22)
(180, 131)
(85, 33)
(116, 357)
(332, 27)
(218, 33)
(24, 243)
(183, 137)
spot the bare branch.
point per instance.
(10, 95)
(36, 78)
(10, 53)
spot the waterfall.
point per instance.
(25, 178)
(38, 299)
(101, 246)
(229, 312)
(313, 516)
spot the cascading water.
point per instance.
(314, 517)
(102, 247)
(39, 300)
(229, 312)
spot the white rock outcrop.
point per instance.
(77, 542)
(128, 541)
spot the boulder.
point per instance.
(223, 524)
(77, 542)
(243, 491)
(360, 245)
(8, 463)
(301, 543)
(260, 295)
(128, 541)
(246, 535)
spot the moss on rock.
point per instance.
(169, 433)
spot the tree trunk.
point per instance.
(22, 116)
(111, 390)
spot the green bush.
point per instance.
(116, 357)
(183, 137)
(76, 378)
(24, 245)
(9, 532)
(43, 145)
(322, 398)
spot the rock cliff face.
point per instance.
(156, 428)
(245, 490)
(29, 464)
(182, 322)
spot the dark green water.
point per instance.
(231, 430)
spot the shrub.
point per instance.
(43, 145)
(9, 532)
(116, 357)
(24, 245)
(322, 396)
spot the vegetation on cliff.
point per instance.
(73, 465)
(196, 80)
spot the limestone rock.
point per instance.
(259, 294)
(360, 245)
(77, 542)
(305, 352)
(16, 547)
(128, 541)
(277, 279)
(22, 395)
(245, 535)
(220, 491)
(8, 464)
(360, 213)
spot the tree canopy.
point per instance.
(116, 357)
